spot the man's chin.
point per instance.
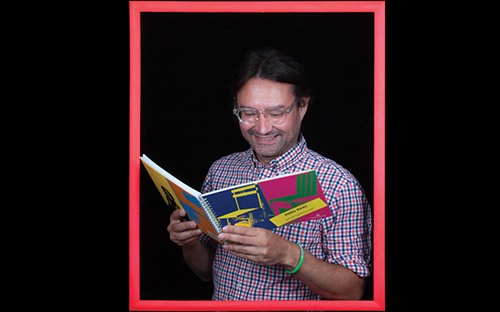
(266, 152)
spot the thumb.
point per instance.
(177, 215)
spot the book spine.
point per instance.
(211, 215)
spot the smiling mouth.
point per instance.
(266, 139)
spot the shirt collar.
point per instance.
(286, 161)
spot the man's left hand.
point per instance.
(260, 245)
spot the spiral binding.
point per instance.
(211, 216)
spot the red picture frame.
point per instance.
(376, 7)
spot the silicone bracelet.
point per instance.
(300, 261)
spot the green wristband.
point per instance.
(300, 261)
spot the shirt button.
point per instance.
(238, 285)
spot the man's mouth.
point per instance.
(268, 139)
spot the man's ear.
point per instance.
(303, 108)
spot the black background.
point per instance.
(188, 61)
(73, 65)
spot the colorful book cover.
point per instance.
(271, 203)
(268, 203)
(180, 196)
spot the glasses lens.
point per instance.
(275, 116)
(248, 116)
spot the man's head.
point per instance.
(270, 80)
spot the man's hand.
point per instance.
(264, 247)
(185, 233)
(261, 246)
(182, 232)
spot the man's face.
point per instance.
(270, 141)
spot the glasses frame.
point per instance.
(263, 111)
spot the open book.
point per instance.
(268, 203)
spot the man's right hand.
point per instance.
(182, 232)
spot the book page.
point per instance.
(170, 177)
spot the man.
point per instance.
(313, 260)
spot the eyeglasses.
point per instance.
(274, 115)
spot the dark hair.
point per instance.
(272, 65)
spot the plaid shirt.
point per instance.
(343, 238)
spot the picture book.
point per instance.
(268, 203)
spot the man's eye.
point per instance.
(248, 113)
(275, 113)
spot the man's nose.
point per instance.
(262, 125)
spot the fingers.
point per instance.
(185, 236)
(182, 227)
(254, 244)
(240, 235)
(242, 239)
(242, 230)
(177, 215)
(242, 251)
(182, 232)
